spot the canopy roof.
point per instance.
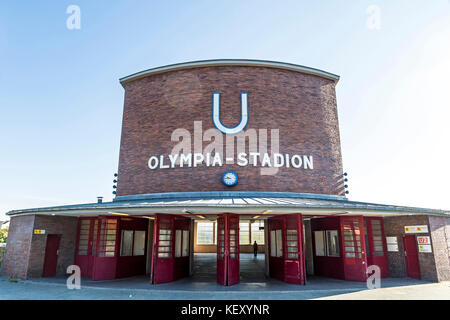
(246, 203)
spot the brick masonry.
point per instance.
(25, 251)
(433, 266)
(17, 253)
(301, 106)
(440, 238)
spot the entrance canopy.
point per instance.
(259, 204)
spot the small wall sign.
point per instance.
(423, 240)
(39, 231)
(391, 240)
(416, 229)
(425, 248)
(392, 245)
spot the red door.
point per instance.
(228, 249)
(376, 249)
(276, 259)
(107, 249)
(170, 254)
(355, 261)
(411, 256)
(221, 260)
(233, 249)
(51, 255)
(294, 254)
(163, 252)
(86, 244)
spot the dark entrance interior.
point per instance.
(223, 250)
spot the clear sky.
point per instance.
(61, 102)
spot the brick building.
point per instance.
(198, 174)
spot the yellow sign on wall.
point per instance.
(416, 229)
(39, 231)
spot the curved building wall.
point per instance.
(301, 106)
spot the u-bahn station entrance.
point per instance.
(219, 157)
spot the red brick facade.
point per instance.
(25, 251)
(302, 106)
(434, 266)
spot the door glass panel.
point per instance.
(244, 232)
(292, 244)
(139, 243)
(234, 236)
(165, 247)
(185, 249)
(178, 243)
(221, 239)
(352, 249)
(377, 236)
(319, 239)
(273, 245)
(126, 244)
(332, 243)
(279, 238)
(205, 232)
(107, 241)
(257, 234)
(83, 237)
(94, 238)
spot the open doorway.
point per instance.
(251, 268)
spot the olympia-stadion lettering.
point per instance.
(263, 159)
(215, 155)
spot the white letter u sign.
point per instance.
(244, 114)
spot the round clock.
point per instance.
(230, 178)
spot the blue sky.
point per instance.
(61, 102)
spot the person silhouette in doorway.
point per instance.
(255, 249)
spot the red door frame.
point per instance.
(228, 249)
(163, 260)
(221, 272)
(411, 256)
(233, 271)
(181, 265)
(276, 264)
(355, 268)
(105, 267)
(290, 267)
(86, 262)
(51, 255)
(165, 267)
(380, 261)
(294, 267)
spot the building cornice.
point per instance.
(229, 62)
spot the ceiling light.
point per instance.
(119, 214)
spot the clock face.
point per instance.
(230, 178)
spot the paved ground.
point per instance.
(202, 285)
